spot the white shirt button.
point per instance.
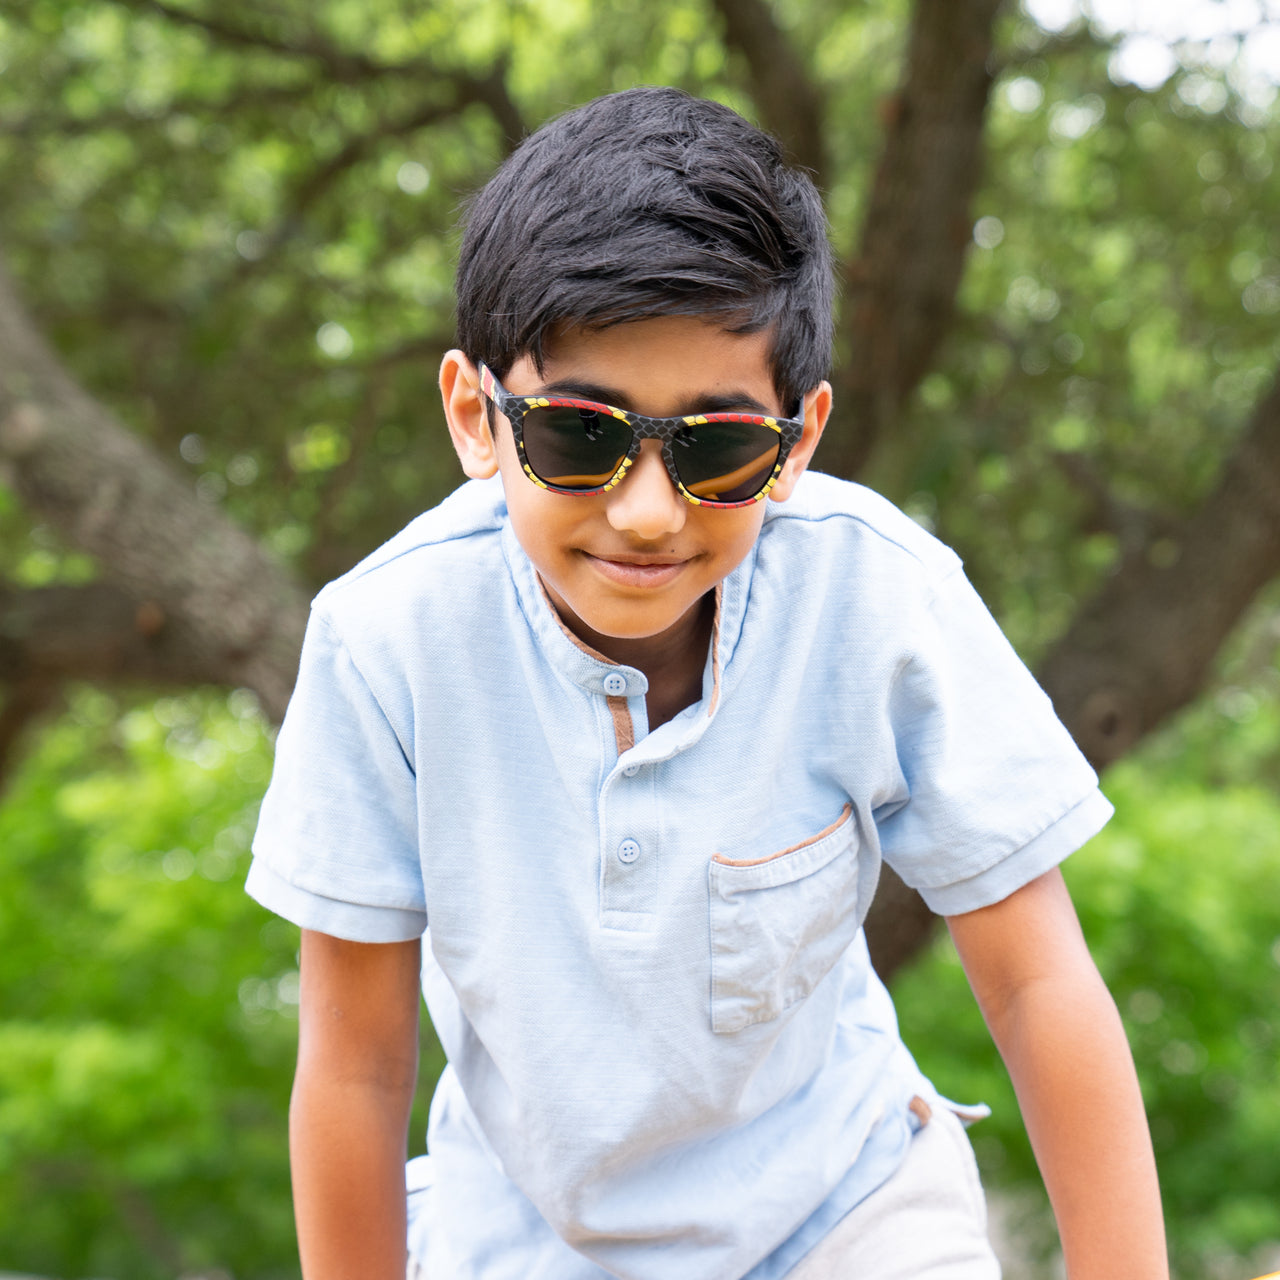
(628, 851)
(615, 684)
(631, 770)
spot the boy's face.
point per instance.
(632, 564)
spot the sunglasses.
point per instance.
(719, 460)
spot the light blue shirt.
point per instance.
(669, 1058)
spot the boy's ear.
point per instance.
(817, 409)
(464, 411)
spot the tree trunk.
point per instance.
(900, 291)
(207, 597)
(1142, 648)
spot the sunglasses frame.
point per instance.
(514, 407)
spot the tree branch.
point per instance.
(25, 703)
(1141, 649)
(38, 123)
(489, 90)
(783, 88)
(339, 64)
(428, 347)
(311, 186)
(234, 613)
(1133, 526)
(901, 289)
(95, 632)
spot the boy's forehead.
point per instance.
(677, 358)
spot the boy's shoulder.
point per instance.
(857, 522)
(423, 581)
(465, 525)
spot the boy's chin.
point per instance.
(604, 628)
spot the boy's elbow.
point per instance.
(386, 1071)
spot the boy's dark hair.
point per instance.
(641, 204)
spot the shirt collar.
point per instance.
(590, 670)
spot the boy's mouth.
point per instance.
(632, 570)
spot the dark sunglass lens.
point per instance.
(574, 448)
(726, 461)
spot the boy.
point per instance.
(622, 730)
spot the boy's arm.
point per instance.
(1060, 1036)
(349, 1115)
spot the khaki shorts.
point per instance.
(928, 1222)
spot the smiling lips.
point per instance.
(638, 570)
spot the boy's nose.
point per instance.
(646, 503)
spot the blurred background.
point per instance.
(226, 243)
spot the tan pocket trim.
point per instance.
(845, 814)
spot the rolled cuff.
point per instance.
(1042, 854)
(346, 920)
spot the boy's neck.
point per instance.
(672, 661)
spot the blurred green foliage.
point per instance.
(247, 254)
(149, 1007)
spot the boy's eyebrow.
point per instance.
(721, 403)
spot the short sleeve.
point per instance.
(336, 848)
(997, 791)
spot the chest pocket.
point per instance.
(779, 924)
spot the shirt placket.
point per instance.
(629, 813)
